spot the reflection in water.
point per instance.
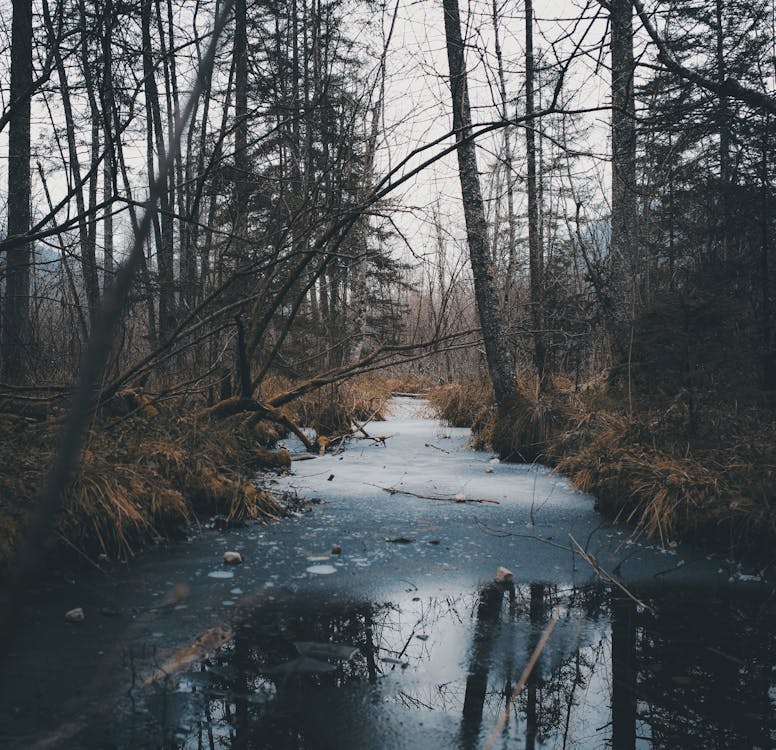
(694, 671)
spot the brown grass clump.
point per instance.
(461, 404)
(678, 468)
(330, 410)
(525, 429)
(677, 473)
(144, 473)
(408, 383)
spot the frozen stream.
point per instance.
(402, 640)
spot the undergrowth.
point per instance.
(144, 475)
(150, 467)
(679, 468)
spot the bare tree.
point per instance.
(623, 247)
(500, 365)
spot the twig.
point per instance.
(603, 574)
(499, 533)
(436, 447)
(397, 491)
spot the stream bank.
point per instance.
(393, 644)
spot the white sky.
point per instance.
(417, 96)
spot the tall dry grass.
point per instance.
(673, 470)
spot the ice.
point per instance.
(411, 461)
(322, 570)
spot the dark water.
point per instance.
(684, 671)
(392, 646)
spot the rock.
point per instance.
(400, 539)
(75, 615)
(504, 575)
(232, 558)
(220, 523)
(433, 541)
(336, 549)
(489, 470)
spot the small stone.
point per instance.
(75, 615)
(331, 476)
(488, 469)
(433, 541)
(220, 523)
(232, 558)
(336, 549)
(504, 575)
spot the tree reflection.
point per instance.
(609, 674)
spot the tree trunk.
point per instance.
(509, 282)
(163, 227)
(16, 328)
(623, 246)
(534, 238)
(497, 352)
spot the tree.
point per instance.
(624, 243)
(500, 365)
(535, 259)
(16, 329)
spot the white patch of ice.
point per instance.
(322, 570)
(220, 574)
(411, 461)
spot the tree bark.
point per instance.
(497, 352)
(623, 246)
(535, 260)
(16, 329)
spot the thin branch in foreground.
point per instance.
(604, 575)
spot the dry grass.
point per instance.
(525, 429)
(722, 495)
(673, 469)
(330, 410)
(146, 471)
(141, 478)
(461, 404)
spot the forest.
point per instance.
(241, 234)
(252, 215)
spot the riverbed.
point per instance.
(371, 619)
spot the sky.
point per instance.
(417, 108)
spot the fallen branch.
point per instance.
(605, 576)
(237, 405)
(455, 499)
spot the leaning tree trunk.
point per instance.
(16, 326)
(623, 249)
(497, 351)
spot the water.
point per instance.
(402, 640)
(435, 671)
